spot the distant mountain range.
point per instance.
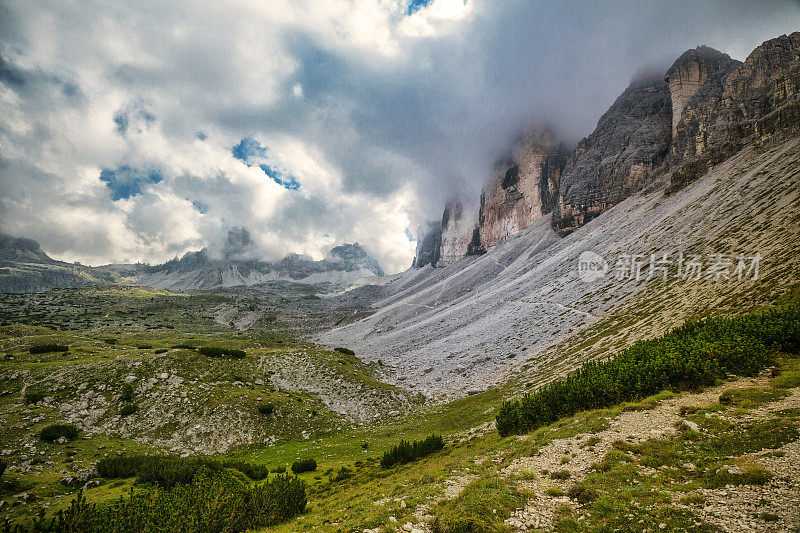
(24, 267)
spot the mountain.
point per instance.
(24, 267)
(663, 131)
(723, 193)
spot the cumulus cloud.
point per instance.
(137, 132)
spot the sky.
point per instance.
(138, 131)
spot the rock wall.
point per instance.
(521, 191)
(743, 103)
(659, 131)
(631, 139)
(458, 223)
(429, 241)
(689, 73)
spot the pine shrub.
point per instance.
(48, 348)
(215, 501)
(304, 465)
(220, 351)
(686, 358)
(406, 452)
(54, 432)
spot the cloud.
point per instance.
(140, 132)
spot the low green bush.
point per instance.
(128, 409)
(32, 396)
(266, 409)
(687, 358)
(405, 452)
(304, 465)
(215, 501)
(342, 474)
(170, 470)
(126, 393)
(53, 432)
(346, 351)
(3, 466)
(48, 348)
(279, 470)
(220, 351)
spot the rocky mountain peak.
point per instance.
(689, 72)
(353, 257)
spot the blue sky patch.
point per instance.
(252, 153)
(416, 5)
(125, 181)
(248, 150)
(409, 235)
(285, 180)
(202, 136)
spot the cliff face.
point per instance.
(744, 103)
(706, 109)
(689, 73)
(631, 139)
(521, 191)
(459, 221)
(429, 241)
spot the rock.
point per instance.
(259, 382)
(523, 189)
(67, 480)
(632, 138)
(690, 72)
(688, 424)
(459, 220)
(740, 104)
(86, 474)
(62, 440)
(429, 238)
(129, 379)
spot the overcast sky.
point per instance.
(138, 131)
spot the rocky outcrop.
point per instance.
(690, 72)
(458, 224)
(631, 139)
(522, 190)
(429, 241)
(741, 104)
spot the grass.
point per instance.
(483, 505)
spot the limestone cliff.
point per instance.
(631, 139)
(429, 240)
(459, 221)
(690, 72)
(522, 190)
(744, 103)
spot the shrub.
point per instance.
(560, 474)
(48, 348)
(126, 395)
(582, 495)
(346, 351)
(160, 350)
(279, 470)
(3, 466)
(128, 409)
(32, 397)
(304, 465)
(266, 409)
(169, 470)
(254, 471)
(53, 432)
(214, 501)
(405, 451)
(688, 357)
(219, 351)
(184, 347)
(342, 474)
